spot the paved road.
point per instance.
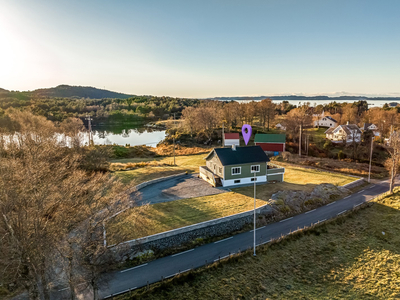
(169, 266)
(181, 187)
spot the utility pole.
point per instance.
(173, 138)
(300, 140)
(223, 137)
(254, 231)
(90, 129)
(370, 159)
(305, 143)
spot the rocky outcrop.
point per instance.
(291, 202)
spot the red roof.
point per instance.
(272, 146)
(231, 136)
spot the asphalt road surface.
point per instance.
(181, 187)
(139, 276)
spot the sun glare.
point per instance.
(12, 53)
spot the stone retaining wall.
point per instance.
(183, 235)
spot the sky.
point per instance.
(203, 48)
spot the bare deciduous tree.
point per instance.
(266, 112)
(392, 163)
(44, 196)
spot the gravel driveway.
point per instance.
(182, 187)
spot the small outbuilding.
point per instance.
(231, 139)
(239, 165)
(272, 144)
(371, 127)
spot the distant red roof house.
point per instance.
(231, 139)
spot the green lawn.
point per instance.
(355, 257)
(317, 134)
(166, 216)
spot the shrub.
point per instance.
(341, 155)
(327, 145)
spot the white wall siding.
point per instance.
(325, 123)
(231, 182)
(231, 142)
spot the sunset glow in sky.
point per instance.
(202, 48)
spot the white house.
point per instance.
(326, 121)
(372, 127)
(344, 133)
(280, 126)
(231, 139)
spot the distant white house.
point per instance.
(344, 133)
(372, 127)
(231, 139)
(326, 121)
(280, 126)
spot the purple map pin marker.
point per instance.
(246, 135)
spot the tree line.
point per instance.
(102, 110)
(211, 115)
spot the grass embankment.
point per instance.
(166, 216)
(353, 257)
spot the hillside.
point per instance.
(78, 91)
(65, 91)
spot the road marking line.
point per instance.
(342, 212)
(257, 228)
(311, 211)
(361, 191)
(223, 240)
(346, 197)
(182, 253)
(170, 276)
(358, 204)
(264, 243)
(372, 186)
(334, 202)
(285, 220)
(64, 289)
(133, 268)
(322, 220)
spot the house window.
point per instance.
(236, 181)
(255, 168)
(236, 171)
(220, 170)
(254, 179)
(215, 168)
